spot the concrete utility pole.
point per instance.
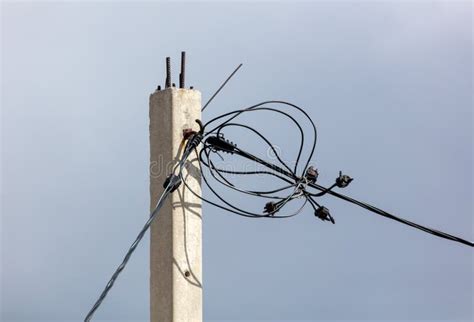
(175, 252)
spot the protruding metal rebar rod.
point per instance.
(183, 69)
(168, 73)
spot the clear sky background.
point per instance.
(388, 83)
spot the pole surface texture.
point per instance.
(175, 250)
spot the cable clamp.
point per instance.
(219, 143)
(188, 132)
(194, 141)
(172, 182)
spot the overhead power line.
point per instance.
(299, 183)
(302, 184)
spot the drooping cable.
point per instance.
(169, 186)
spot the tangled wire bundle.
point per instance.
(296, 186)
(302, 186)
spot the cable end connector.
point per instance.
(218, 143)
(343, 180)
(324, 214)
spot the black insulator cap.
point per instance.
(324, 214)
(343, 180)
(312, 174)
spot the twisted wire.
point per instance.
(190, 146)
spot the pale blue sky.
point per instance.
(388, 83)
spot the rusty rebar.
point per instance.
(183, 69)
(168, 73)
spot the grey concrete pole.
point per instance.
(175, 250)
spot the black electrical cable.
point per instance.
(393, 217)
(285, 173)
(369, 207)
(213, 142)
(226, 182)
(236, 113)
